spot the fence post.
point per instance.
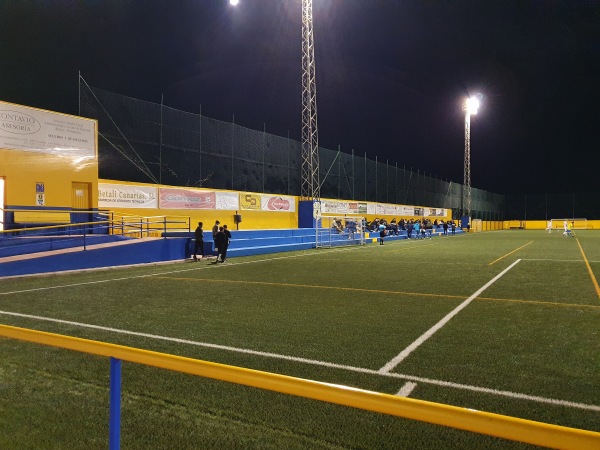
(114, 426)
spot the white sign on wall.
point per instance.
(126, 196)
(30, 129)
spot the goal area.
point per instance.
(334, 231)
(576, 224)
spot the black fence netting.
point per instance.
(148, 142)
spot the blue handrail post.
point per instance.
(114, 425)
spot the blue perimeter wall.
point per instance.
(173, 247)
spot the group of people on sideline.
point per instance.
(415, 229)
(221, 240)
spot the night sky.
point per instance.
(391, 75)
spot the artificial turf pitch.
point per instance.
(528, 345)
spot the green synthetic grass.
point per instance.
(529, 341)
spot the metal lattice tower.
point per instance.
(467, 180)
(310, 188)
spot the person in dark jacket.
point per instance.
(221, 244)
(215, 230)
(199, 244)
(226, 244)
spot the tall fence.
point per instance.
(552, 206)
(149, 142)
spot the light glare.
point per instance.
(234, 2)
(472, 105)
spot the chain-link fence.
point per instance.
(149, 142)
(552, 206)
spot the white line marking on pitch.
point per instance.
(416, 344)
(557, 260)
(313, 362)
(408, 387)
(204, 267)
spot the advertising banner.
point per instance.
(441, 212)
(228, 200)
(339, 207)
(30, 129)
(328, 207)
(172, 198)
(282, 203)
(250, 202)
(126, 196)
(406, 210)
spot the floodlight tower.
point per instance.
(310, 188)
(470, 108)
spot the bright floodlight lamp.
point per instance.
(234, 2)
(471, 106)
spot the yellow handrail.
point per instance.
(528, 431)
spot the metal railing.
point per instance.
(511, 428)
(110, 223)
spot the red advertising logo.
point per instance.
(278, 204)
(185, 199)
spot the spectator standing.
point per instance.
(220, 240)
(226, 241)
(381, 233)
(199, 244)
(549, 226)
(445, 227)
(453, 227)
(215, 230)
(351, 224)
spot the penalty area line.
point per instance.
(407, 389)
(438, 326)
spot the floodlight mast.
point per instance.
(310, 187)
(470, 107)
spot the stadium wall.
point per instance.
(48, 160)
(541, 225)
(257, 210)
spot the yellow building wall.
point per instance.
(541, 224)
(49, 177)
(251, 220)
(23, 169)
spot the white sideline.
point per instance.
(108, 280)
(313, 362)
(412, 347)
